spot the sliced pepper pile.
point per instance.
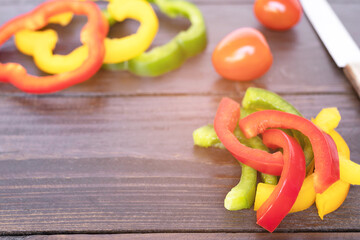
(85, 61)
(328, 186)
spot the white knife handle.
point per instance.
(352, 72)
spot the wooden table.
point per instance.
(115, 155)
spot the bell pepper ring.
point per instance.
(172, 55)
(281, 200)
(117, 49)
(326, 168)
(227, 116)
(92, 35)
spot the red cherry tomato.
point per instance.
(243, 55)
(278, 14)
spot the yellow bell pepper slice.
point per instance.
(305, 199)
(349, 171)
(63, 19)
(342, 147)
(40, 45)
(327, 119)
(117, 49)
(332, 198)
(123, 49)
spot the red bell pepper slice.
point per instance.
(326, 168)
(281, 200)
(227, 116)
(333, 152)
(92, 35)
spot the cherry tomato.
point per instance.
(278, 14)
(243, 55)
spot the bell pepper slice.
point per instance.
(342, 147)
(349, 171)
(117, 49)
(327, 119)
(123, 49)
(304, 200)
(326, 168)
(261, 99)
(168, 57)
(92, 35)
(227, 116)
(256, 143)
(63, 19)
(242, 195)
(40, 45)
(281, 200)
(332, 198)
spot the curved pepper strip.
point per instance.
(261, 99)
(335, 195)
(343, 149)
(326, 168)
(243, 194)
(205, 136)
(281, 200)
(256, 143)
(330, 200)
(304, 200)
(92, 35)
(117, 49)
(172, 55)
(227, 116)
(349, 171)
(327, 119)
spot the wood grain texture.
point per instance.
(56, 127)
(115, 154)
(128, 165)
(291, 52)
(197, 236)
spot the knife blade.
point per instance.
(335, 37)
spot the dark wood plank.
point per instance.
(80, 165)
(293, 70)
(197, 236)
(129, 127)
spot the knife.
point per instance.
(336, 38)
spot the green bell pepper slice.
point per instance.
(172, 55)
